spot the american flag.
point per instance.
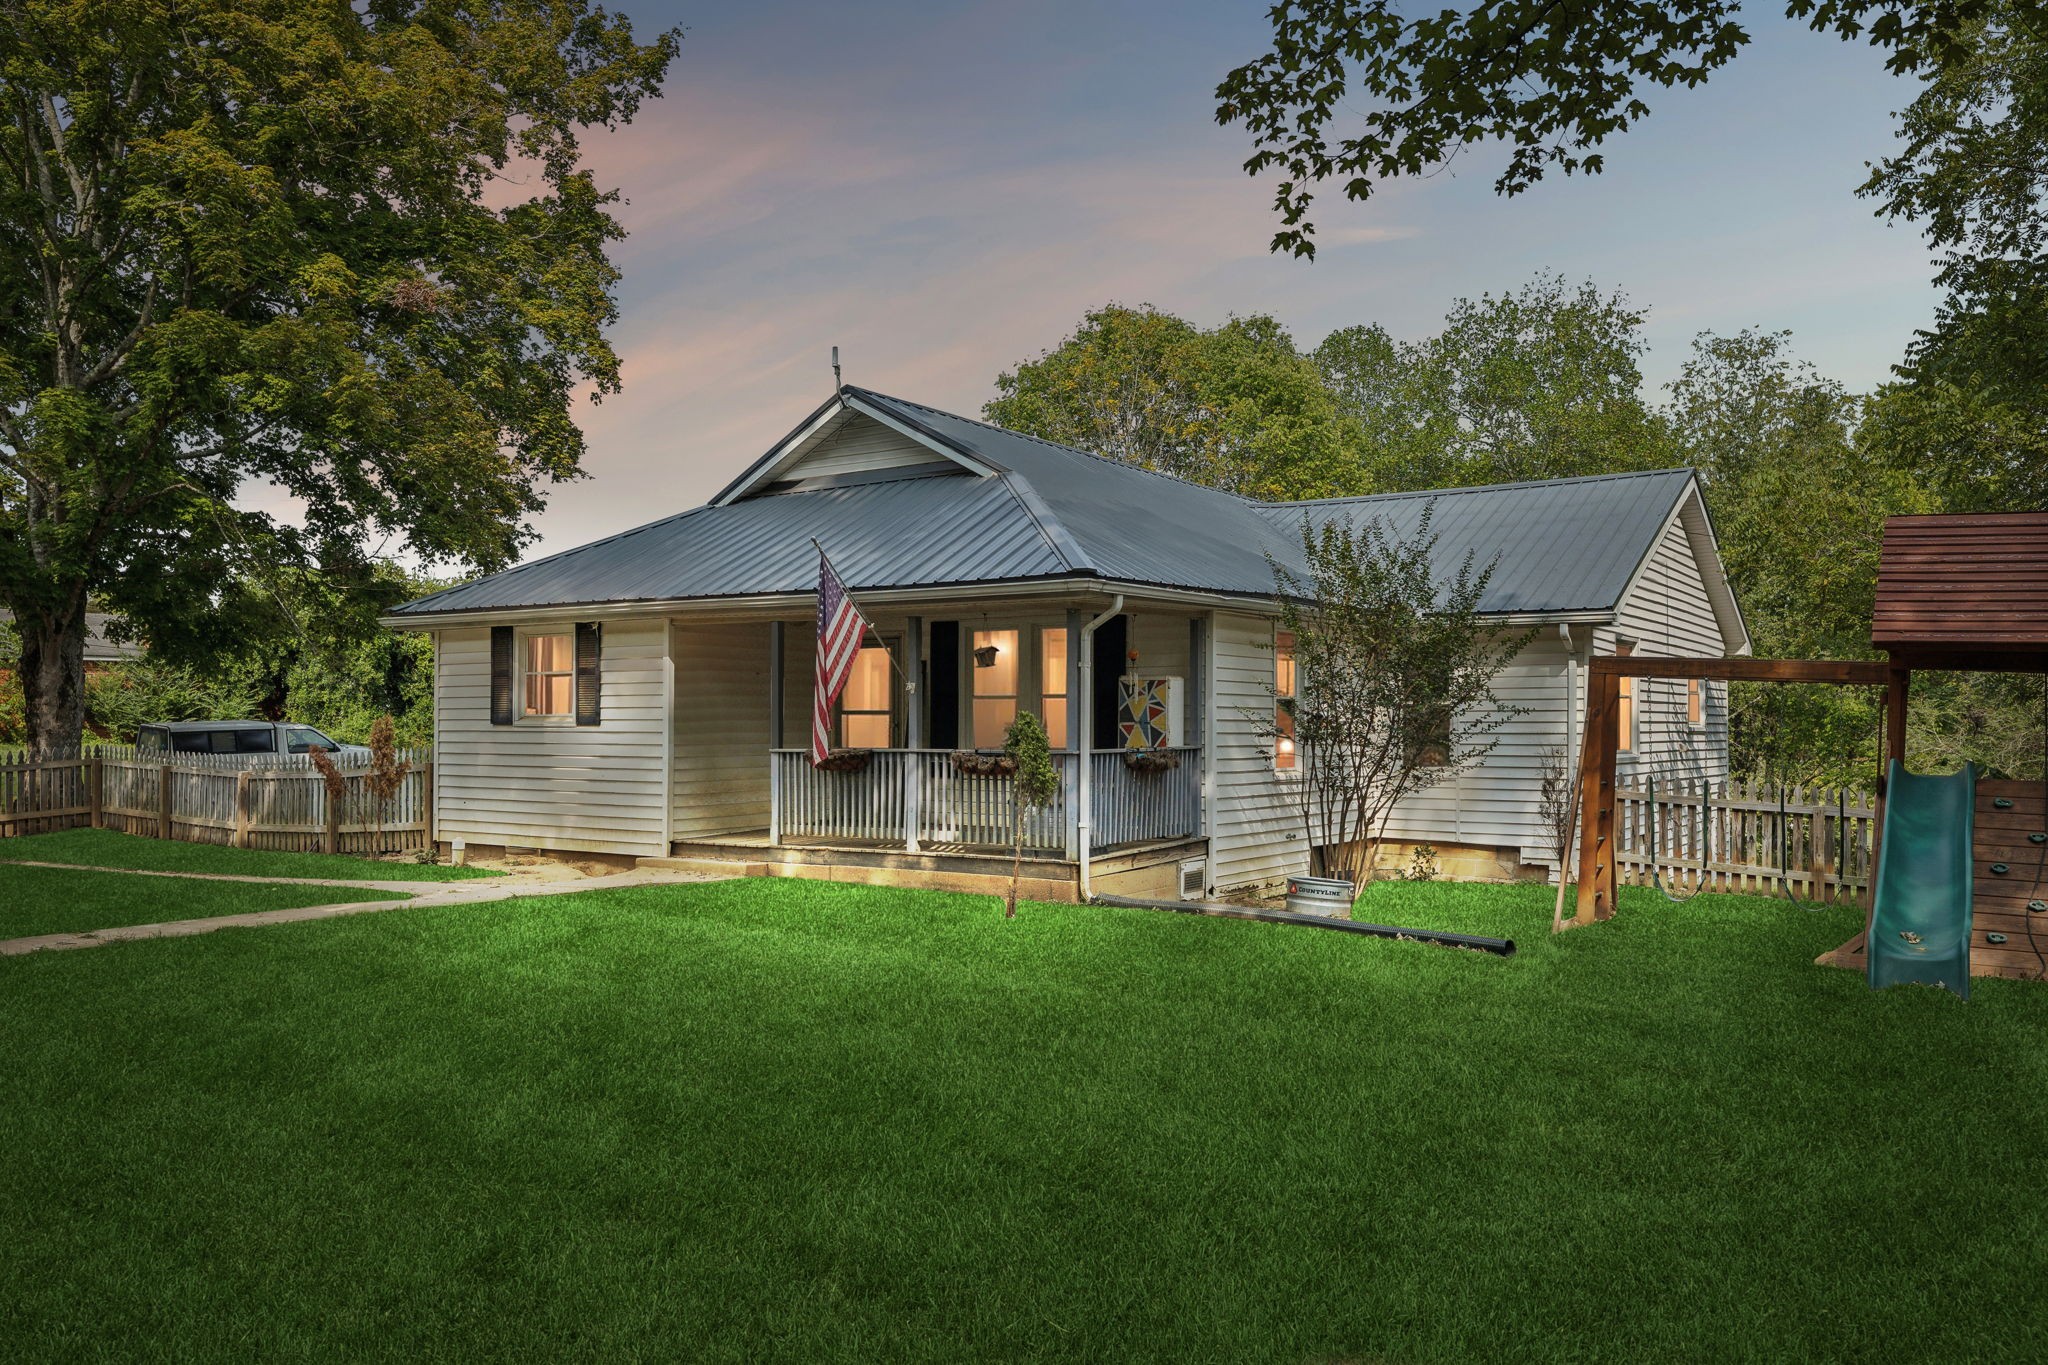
(841, 628)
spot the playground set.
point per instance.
(1962, 864)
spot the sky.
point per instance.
(941, 191)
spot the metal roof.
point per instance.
(1052, 512)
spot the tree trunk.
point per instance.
(53, 678)
(1016, 856)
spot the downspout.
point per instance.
(1574, 725)
(1085, 778)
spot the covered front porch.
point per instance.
(916, 783)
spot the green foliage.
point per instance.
(273, 244)
(1396, 670)
(1535, 384)
(1036, 781)
(1237, 407)
(141, 691)
(1551, 82)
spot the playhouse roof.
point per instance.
(995, 506)
(1963, 591)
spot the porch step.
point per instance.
(721, 867)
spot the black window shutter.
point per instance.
(589, 674)
(501, 675)
(944, 689)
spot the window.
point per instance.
(548, 675)
(995, 686)
(304, 739)
(1627, 688)
(1052, 667)
(1695, 703)
(1432, 739)
(865, 707)
(263, 741)
(1285, 680)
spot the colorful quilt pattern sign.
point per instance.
(1142, 713)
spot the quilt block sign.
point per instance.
(1144, 713)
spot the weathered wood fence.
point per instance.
(268, 801)
(1746, 836)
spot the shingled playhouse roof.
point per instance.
(995, 506)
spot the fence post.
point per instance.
(242, 809)
(330, 839)
(1823, 850)
(427, 804)
(95, 791)
(163, 802)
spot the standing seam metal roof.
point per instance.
(1052, 511)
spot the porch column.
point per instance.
(1076, 727)
(913, 729)
(775, 656)
(1197, 719)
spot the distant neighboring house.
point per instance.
(650, 694)
(100, 651)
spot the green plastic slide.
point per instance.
(1920, 917)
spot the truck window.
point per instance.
(254, 741)
(190, 742)
(151, 737)
(303, 739)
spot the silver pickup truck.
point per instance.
(241, 737)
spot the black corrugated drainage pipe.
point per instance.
(1499, 947)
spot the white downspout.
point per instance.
(1084, 778)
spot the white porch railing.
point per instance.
(917, 797)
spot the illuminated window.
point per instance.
(1052, 666)
(865, 705)
(995, 686)
(1695, 702)
(548, 675)
(1627, 687)
(1284, 683)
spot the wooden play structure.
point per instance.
(1955, 593)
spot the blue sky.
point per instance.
(942, 190)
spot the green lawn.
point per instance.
(50, 900)
(789, 1121)
(106, 848)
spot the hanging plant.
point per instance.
(983, 765)
(1151, 760)
(847, 761)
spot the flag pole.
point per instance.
(909, 686)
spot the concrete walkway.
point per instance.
(422, 894)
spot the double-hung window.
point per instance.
(1286, 684)
(547, 675)
(1052, 664)
(866, 706)
(995, 686)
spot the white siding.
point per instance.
(1255, 824)
(1667, 611)
(859, 444)
(721, 729)
(553, 784)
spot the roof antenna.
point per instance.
(837, 383)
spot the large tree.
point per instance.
(344, 253)
(1235, 406)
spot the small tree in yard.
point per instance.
(1035, 783)
(1395, 671)
(1555, 796)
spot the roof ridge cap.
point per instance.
(1057, 537)
(1482, 487)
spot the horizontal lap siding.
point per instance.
(1255, 837)
(860, 445)
(721, 728)
(558, 786)
(1667, 612)
(1497, 801)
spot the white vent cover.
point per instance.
(1194, 878)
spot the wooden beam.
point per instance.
(1842, 672)
(1596, 797)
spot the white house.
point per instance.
(649, 695)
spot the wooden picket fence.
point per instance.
(267, 801)
(1747, 836)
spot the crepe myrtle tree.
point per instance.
(1395, 668)
(341, 257)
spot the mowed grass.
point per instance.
(52, 900)
(108, 848)
(789, 1121)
